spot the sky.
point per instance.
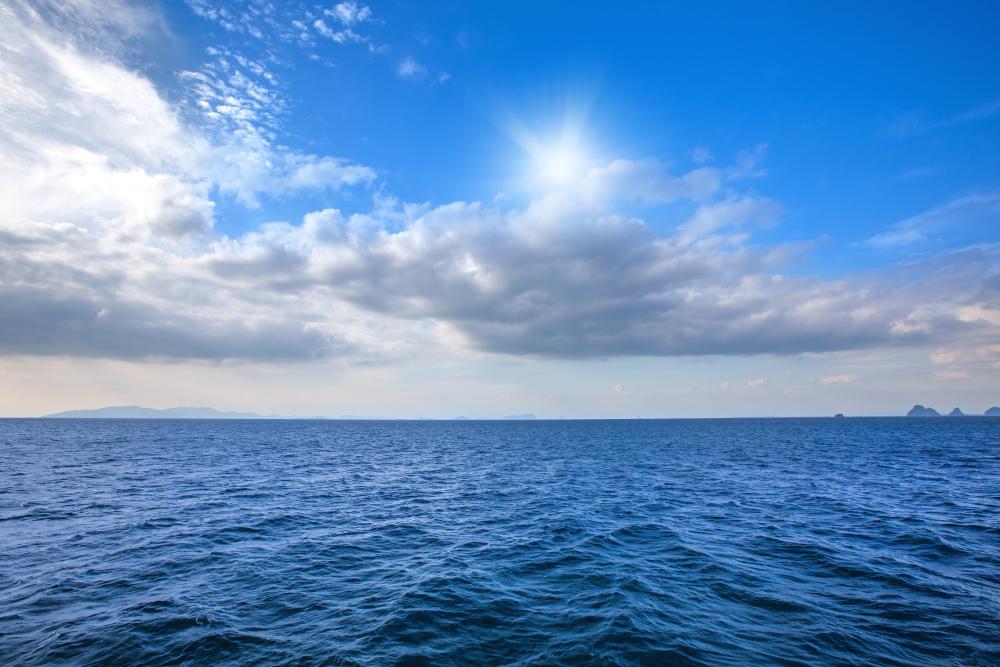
(481, 209)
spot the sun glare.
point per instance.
(560, 164)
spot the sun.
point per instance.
(559, 165)
(556, 153)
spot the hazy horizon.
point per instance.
(524, 416)
(376, 209)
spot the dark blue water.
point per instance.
(858, 541)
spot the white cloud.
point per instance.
(646, 181)
(846, 378)
(910, 125)
(942, 357)
(951, 375)
(922, 227)
(349, 16)
(342, 36)
(978, 313)
(107, 245)
(757, 383)
(548, 280)
(310, 172)
(748, 163)
(701, 155)
(349, 13)
(730, 213)
(409, 68)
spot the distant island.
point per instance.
(921, 411)
(137, 412)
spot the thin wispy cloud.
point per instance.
(845, 378)
(925, 226)
(409, 68)
(916, 124)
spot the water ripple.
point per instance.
(728, 542)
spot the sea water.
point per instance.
(740, 541)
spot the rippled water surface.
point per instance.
(857, 541)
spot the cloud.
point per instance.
(757, 383)
(349, 13)
(748, 163)
(98, 227)
(942, 357)
(409, 68)
(549, 280)
(961, 211)
(647, 181)
(114, 21)
(310, 172)
(919, 172)
(847, 378)
(142, 162)
(244, 19)
(544, 281)
(40, 322)
(727, 214)
(951, 375)
(346, 16)
(108, 245)
(553, 280)
(910, 125)
(343, 36)
(701, 155)
(974, 355)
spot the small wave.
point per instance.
(727, 542)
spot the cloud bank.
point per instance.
(108, 245)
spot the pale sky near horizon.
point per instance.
(482, 209)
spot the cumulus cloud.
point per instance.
(310, 172)
(555, 280)
(97, 227)
(548, 280)
(108, 245)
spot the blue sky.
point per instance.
(861, 107)
(569, 209)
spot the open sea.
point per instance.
(673, 542)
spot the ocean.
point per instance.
(647, 542)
